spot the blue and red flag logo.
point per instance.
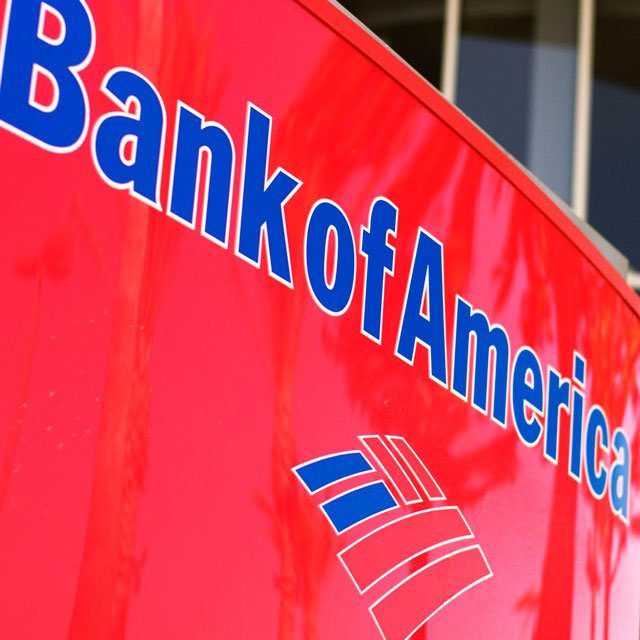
(393, 477)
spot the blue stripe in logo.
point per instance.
(358, 504)
(318, 474)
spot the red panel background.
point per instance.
(156, 390)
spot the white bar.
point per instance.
(451, 47)
(584, 83)
(633, 279)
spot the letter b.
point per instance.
(29, 53)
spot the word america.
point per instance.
(54, 41)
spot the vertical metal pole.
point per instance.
(451, 47)
(584, 84)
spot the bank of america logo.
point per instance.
(390, 476)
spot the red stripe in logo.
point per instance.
(379, 552)
(405, 608)
(421, 473)
(391, 467)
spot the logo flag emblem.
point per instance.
(395, 478)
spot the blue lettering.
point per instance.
(263, 201)
(143, 130)
(334, 298)
(194, 137)
(426, 278)
(487, 338)
(527, 392)
(577, 418)
(619, 487)
(596, 472)
(557, 397)
(30, 56)
(379, 257)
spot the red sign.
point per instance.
(291, 349)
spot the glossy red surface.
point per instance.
(157, 390)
